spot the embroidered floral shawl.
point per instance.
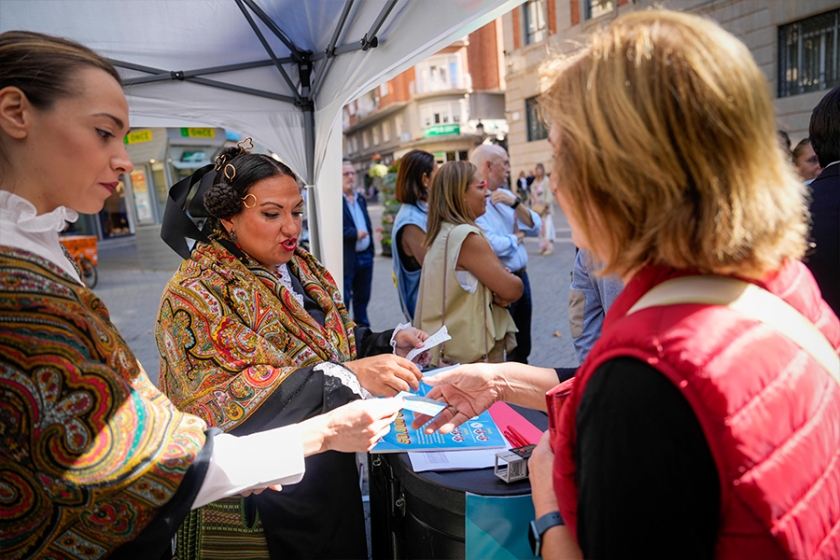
(229, 332)
(89, 448)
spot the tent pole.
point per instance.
(272, 25)
(338, 35)
(268, 49)
(309, 146)
(369, 40)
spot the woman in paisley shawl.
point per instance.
(94, 460)
(251, 332)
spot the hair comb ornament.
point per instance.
(248, 197)
(230, 172)
(245, 145)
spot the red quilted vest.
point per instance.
(770, 414)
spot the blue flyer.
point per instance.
(479, 432)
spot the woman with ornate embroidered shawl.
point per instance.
(94, 460)
(251, 332)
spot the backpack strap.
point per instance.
(754, 302)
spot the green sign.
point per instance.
(138, 136)
(198, 132)
(442, 130)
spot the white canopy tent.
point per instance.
(277, 70)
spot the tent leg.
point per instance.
(309, 146)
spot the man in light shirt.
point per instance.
(506, 222)
(358, 248)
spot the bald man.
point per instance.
(505, 224)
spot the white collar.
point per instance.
(22, 228)
(23, 213)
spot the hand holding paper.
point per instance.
(439, 337)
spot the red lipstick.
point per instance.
(290, 244)
(110, 186)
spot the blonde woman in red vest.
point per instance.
(693, 429)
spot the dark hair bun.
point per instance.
(222, 201)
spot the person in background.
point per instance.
(252, 334)
(530, 177)
(805, 161)
(94, 460)
(358, 247)
(693, 429)
(409, 231)
(522, 190)
(505, 224)
(541, 204)
(784, 141)
(590, 297)
(824, 259)
(463, 285)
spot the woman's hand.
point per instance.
(407, 340)
(386, 374)
(469, 390)
(557, 542)
(354, 427)
(540, 468)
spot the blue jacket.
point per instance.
(408, 281)
(590, 297)
(351, 258)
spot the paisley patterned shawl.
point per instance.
(230, 333)
(89, 448)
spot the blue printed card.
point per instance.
(479, 432)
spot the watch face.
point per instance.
(534, 538)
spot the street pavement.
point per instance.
(132, 296)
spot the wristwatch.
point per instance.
(516, 203)
(539, 526)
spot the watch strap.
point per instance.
(548, 521)
(516, 203)
(539, 526)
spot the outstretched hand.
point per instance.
(357, 426)
(469, 390)
(386, 374)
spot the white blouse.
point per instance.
(22, 228)
(237, 464)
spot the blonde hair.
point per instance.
(667, 151)
(446, 197)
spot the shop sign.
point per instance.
(442, 130)
(138, 136)
(198, 132)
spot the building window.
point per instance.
(536, 128)
(439, 73)
(597, 8)
(535, 22)
(808, 55)
(376, 135)
(386, 131)
(365, 140)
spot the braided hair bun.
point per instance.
(221, 200)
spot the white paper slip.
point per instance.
(441, 336)
(453, 460)
(423, 405)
